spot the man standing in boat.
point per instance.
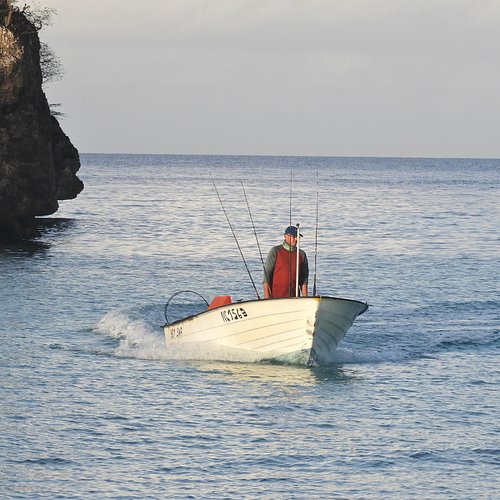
(280, 269)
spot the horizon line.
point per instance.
(243, 155)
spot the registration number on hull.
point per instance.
(175, 333)
(227, 315)
(233, 314)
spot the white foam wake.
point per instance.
(345, 355)
(139, 338)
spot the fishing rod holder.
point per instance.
(180, 293)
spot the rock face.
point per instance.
(38, 163)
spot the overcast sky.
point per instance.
(280, 77)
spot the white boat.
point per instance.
(294, 329)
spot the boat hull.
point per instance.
(284, 329)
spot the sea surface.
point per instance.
(95, 405)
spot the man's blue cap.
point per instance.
(292, 230)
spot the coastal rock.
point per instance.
(38, 162)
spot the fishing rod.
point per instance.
(234, 236)
(253, 225)
(316, 237)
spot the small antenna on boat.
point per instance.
(234, 236)
(316, 237)
(298, 262)
(290, 283)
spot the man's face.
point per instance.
(291, 240)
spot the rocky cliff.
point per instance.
(38, 163)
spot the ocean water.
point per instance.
(95, 405)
